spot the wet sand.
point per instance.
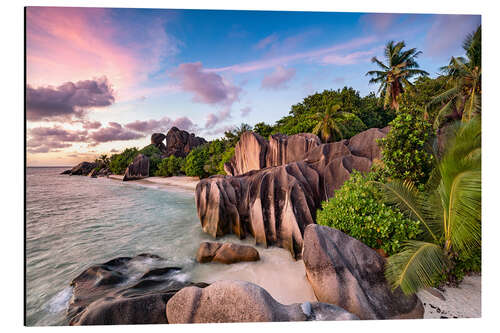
(178, 181)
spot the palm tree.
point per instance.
(395, 74)
(449, 212)
(463, 100)
(329, 122)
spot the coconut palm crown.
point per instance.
(395, 74)
(329, 124)
(463, 99)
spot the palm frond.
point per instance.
(409, 200)
(416, 267)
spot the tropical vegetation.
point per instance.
(357, 209)
(449, 211)
(394, 76)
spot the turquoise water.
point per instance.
(76, 221)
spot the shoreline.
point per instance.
(184, 182)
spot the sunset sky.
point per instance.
(100, 80)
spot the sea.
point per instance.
(73, 222)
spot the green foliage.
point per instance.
(195, 162)
(449, 211)
(154, 155)
(405, 149)
(367, 109)
(352, 125)
(372, 113)
(226, 157)
(357, 210)
(215, 151)
(422, 93)
(263, 129)
(170, 166)
(462, 99)
(233, 136)
(120, 162)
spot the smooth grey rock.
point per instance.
(345, 272)
(239, 301)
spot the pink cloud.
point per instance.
(150, 126)
(215, 118)
(379, 22)
(208, 88)
(448, 31)
(263, 43)
(68, 100)
(314, 55)
(348, 59)
(278, 78)
(114, 132)
(70, 44)
(246, 111)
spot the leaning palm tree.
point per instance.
(329, 124)
(449, 212)
(463, 99)
(394, 76)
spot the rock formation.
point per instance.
(108, 293)
(138, 169)
(225, 253)
(178, 142)
(253, 152)
(345, 272)
(274, 203)
(82, 169)
(157, 140)
(239, 301)
(102, 172)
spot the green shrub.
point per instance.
(195, 162)
(405, 151)
(226, 157)
(357, 210)
(263, 129)
(170, 166)
(119, 162)
(352, 124)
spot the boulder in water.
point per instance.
(111, 294)
(225, 253)
(83, 169)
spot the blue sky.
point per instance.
(100, 80)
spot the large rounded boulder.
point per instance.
(345, 272)
(225, 253)
(238, 301)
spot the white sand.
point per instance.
(461, 302)
(276, 271)
(178, 181)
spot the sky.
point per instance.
(100, 80)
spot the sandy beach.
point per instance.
(463, 301)
(178, 181)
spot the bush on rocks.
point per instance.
(357, 210)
